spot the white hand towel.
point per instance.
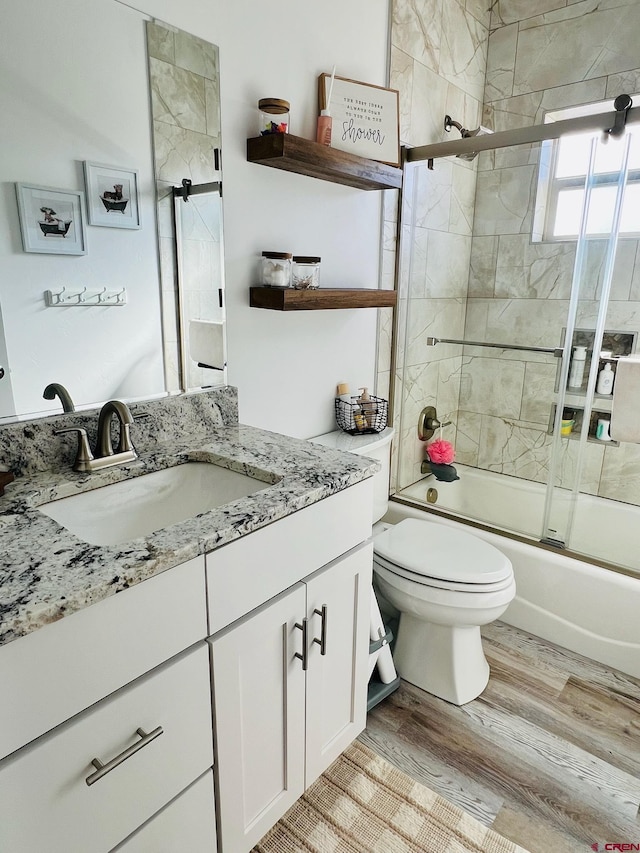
(625, 414)
(206, 343)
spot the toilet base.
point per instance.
(444, 660)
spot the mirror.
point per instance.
(74, 90)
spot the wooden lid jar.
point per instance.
(273, 116)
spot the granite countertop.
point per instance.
(47, 573)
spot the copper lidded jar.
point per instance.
(273, 116)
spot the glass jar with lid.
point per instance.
(305, 272)
(275, 269)
(273, 116)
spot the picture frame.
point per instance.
(112, 195)
(366, 118)
(52, 221)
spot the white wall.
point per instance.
(286, 365)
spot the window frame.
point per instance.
(549, 186)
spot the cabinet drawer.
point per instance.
(45, 801)
(186, 825)
(61, 669)
(244, 574)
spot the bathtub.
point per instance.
(576, 604)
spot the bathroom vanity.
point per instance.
(234, 654)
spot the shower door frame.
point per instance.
(607, 122)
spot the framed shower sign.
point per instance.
(366, 118)
(51, 220)
(112, 196)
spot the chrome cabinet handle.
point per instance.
(103, 769)
(304, 657)
(322, 642)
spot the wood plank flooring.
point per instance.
(548, 755)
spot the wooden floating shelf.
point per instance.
(295, 154)
(288, 299)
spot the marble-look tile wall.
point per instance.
(542, 56)
(438, 59)
(185, 104)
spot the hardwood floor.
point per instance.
(548, 755)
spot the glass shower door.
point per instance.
(591, 339)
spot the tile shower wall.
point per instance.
(185, 103)
(438, 58)
(519, 290)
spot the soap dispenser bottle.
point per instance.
(367, 406)
(605, 380)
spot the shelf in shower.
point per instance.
(575, 399)
(596, 413)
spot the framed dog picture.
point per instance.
(112, 196)
(51, 220)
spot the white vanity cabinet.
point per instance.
(290, 677)
(119, 694)
(61, 669)
(126, 679)
(154, 738)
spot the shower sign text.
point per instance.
(365, 118)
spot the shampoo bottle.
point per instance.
(576, 373)
(605, 380)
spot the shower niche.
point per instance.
(615, 345)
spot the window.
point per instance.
(564, 164)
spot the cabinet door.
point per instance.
(336, 700)
(258, 686)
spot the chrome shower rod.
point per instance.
(518, 136)
(555, 351)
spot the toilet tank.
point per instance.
(374, 445)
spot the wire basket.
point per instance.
(359, 418)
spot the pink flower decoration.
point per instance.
(441, 452)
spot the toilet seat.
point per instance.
(437, 583)
(435, 555)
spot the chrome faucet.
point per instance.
(55, 389)
(104, 455)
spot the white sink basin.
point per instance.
(132, 508)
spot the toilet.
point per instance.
(445, 584)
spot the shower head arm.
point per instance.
(449, 123)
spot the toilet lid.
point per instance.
(433, 550)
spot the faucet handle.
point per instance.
(84, 456)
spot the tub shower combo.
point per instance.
(509, 343)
